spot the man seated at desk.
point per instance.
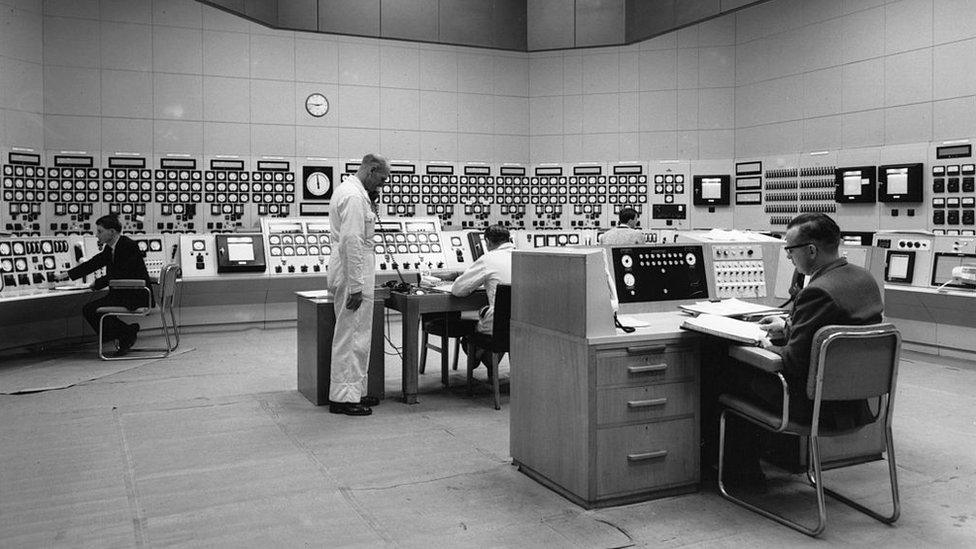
(122, 259)
(837, 293)
(625, 233)
(494, 267)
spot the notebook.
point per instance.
(729, 328)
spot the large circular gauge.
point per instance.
(300, 250)
(18, 248)
(289, 250)
(299, 239)
(4, 248)
(198, 245)
(6, 265)
(274, 239)
(378, 248)
(49, 263)
(314, 239)
(629, 280)
(20, 264)
(143, 246)
(275, 251)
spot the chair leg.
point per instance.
(101, 330)
(893, 481)
(472, 364)
(176, 329)
(495, 385)
(457, 351)
(444, 359)
(423, 351)
(815, 459)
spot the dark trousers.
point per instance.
(113, 327)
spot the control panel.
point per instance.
(198, 255)
(953, 196)
(549, 195)
(739, 270)
(908, 257)
(950, 252)
(127, 190)
(296, 245)
(30, 263)
(659, 273)
(527, 240)
(409, 244)
(457, 251)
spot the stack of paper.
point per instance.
(728, 328)
(728, 307)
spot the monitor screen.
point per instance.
(855, 184)
(711, 190)
(240, 253)
(900, 266)
(944, 263)
(900, 183)
(659, 273)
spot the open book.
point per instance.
(729, 328)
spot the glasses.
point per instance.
(789, 249)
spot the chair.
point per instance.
(446, 326)
(496, 344)
(846, 363)
(167, 292)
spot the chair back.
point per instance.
(503, 316)
(854, 362)
(167, 285)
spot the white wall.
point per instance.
(784, 76)
(175, 76)
(781, 77)
(21, 73)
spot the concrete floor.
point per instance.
(215, 448)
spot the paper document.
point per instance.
(728, 328)
(443, 287)
(728, 307)
(632, 321)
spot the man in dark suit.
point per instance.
(122, 259)
(837, 293)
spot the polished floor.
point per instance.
(216, 448)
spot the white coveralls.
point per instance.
(352, 268)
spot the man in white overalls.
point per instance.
(352, 275)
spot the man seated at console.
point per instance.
(122, 259)
(625, 233)
(494, 267)
(837, 293)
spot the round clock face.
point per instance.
(318, 183)
(316, 104)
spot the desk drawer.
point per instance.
(646, 364)
(646, 402)
(643, 457)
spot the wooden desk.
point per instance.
(411, 307)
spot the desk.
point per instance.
(411, 307)
(43, 316)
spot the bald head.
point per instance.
(373, 171)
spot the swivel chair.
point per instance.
(497, 344)
(167, 292)
(847, 363)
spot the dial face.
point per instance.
(318, 183)
(317, 105)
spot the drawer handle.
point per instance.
(647, 403)
(647, 455)
(646, 349)
(647, 368)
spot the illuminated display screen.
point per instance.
(900, 266)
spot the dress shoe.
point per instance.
(349, 408)
(127, 340)
(369, 401)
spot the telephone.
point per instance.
(963, 274)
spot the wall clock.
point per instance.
(317, 105)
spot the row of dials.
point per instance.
(299, 239)
(289, 251)
(397, 238)
(518, 180)
(32, 247)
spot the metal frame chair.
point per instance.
(848, 363)
(167, 292)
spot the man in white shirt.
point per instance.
(494, 267)
(625, 232)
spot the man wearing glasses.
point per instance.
(836, 293)
(352, 275)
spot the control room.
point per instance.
(521, 273)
